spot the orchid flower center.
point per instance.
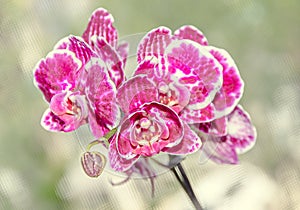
(69, 103)
(167, 94)
(146, 131)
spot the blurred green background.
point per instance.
(41, 170)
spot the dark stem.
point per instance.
(186, 185)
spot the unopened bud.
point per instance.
(93, 163)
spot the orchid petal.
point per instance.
(98, 129)
(101, 94)
(78, 46)
(241, 132)
(116, 161)
(232, 88)
(111, 58)
(217, 127)
(123, 50)
(156, 70)
(135, 92)
(154, 43)
(198, 116)
(63, 123)
(192, 33)
(101, 25)
(193, 66)
(57, 73)
(190, 143)
(219, 151)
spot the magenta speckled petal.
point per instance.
(240, 137)
(233, 86)
(192, 33)
(217, 127)
(135, 92)
(194, 67)
(123, 49)
(78, 46)
(111, 58)
(155, 68)
(220, 151)
(198, 116)
(190, 143)
(101, 25)
(146, 67)
(97, 129)
(117, 162)
(51, 122)
(154, 43)
(241, 132)
(63, 123)
(57, 73)
(101, 94)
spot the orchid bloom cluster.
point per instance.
(182, 97)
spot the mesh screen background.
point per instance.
(41, 170)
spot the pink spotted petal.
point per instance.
(78, 46)
(123, 49)
(117, 162)
(97, 129)
(191, 116)
(147, 67)
(155, 68)
(194, 67)
(217, 127)
(57, 73)
(154, 43)
(101, 25)
(241, 132)
(62, 123)
(192, 33)
(135, 92)
(232, 89)
(111, 58)
(101, 94)
(219, 151)
(190, 143)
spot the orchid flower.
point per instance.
(183, 97)
(79, 78)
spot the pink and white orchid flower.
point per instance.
(79, 78)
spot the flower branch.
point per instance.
(182, 98)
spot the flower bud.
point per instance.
(93, 163)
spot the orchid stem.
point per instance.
(93, 143)
(186, 185)
(103, 139)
